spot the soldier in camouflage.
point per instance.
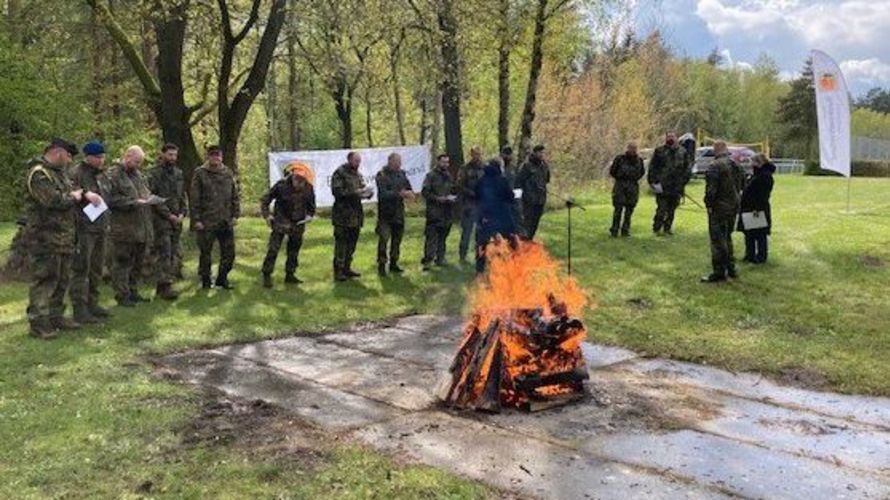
(532, 179)
(468, 179)
(668, 175)
(294, 199)
(215, 209)
(131, 225)
(627, 170)
(393, 188)
(52, 200)
(89, 256)
(349, 189)
(722, 202)
(167, 181)
(438, 192)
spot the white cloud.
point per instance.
(870, 71)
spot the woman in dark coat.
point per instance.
(495, 202)
(755, 198)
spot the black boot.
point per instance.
(291, 279)
(267, 281)
(206, 282)
(394, 268)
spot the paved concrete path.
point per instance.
(652, 428)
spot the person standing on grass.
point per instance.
(215, 209)
(722, 202)
(467, 181)
(89, 256)
(496, 203)
(755, 198)
(131, 225)
(533, 178)
(438, 192)
(627, 170)
(393, 188)
(166, 180)
(349, 189)
(294, 198)
(52, 200)
(668, 175)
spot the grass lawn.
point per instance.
(85, 415)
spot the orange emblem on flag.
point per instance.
(301, 169)
(828, 83)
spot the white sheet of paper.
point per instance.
(451, 197)
(93, 212)
(754, 220)
(307, 220)
(517, 193)
(657, 188)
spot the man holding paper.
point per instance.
(722, 200)
(93, 222)
(167, 181)
(438, 192)
(668, 175)
(349, 189)
(393, 188)
(294, 198)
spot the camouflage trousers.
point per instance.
(345, 241)
(720, 232)
(621, 217)
(294, 243)
(50, 273)
(531, 217)
(434, 244)
(226, 239)
(164, 255)
(666, 207)
(389, 240)
(86, 270)
(126, 264)
(468, 215)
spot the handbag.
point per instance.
(754, 220)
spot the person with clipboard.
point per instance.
(756, 214)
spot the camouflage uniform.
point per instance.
(391, 214)
(131, 229)
(670, 168)
(216, 205)
(347, 216)
(533, 178)
(627, 172)
(89, 256)
(438, 215)
(722, 201)
(168, 182)
(467, 182)
(50, 237)
(292, 205)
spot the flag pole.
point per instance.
(849, 188)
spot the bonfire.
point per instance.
(521, 347)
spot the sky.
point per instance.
(856, 33)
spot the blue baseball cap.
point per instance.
(93, 148)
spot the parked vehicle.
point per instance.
(704, 156)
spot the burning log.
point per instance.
(519, 357)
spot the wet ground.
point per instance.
(651, 428)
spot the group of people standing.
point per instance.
(731, 199)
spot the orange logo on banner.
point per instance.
(828, 83)
(301, 169)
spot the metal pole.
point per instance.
(849, 187)
(570, 237)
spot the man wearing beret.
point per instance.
(52, 200)
(532, 179)
(89, 255)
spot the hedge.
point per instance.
(861, 168)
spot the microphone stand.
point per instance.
(570, 204)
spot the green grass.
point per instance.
(85, 416)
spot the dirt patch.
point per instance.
(257, 428)
(640, 303)
(805, 378)
(872, 261)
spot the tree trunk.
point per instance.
(293, 84)
(424, 126)
(504, 76)
(368, 124)
(342, 96)
(394, 59)
(436, 129)
(528, 112)
(451, 84)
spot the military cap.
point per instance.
(93, 148)
(62, 143)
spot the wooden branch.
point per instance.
(149, 84)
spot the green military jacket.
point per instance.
(292, 204)
(167, 181)
(722, 188)
(468, 180)
(130, 221)
(670, 168)
(85, 176)
(436, 184)
(214, 198)
(390, 204)
(532, 179)
(345, 186)
(51, 226)
(627, 172)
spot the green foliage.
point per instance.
(869, 123)
(797, 114)
(871, 168)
